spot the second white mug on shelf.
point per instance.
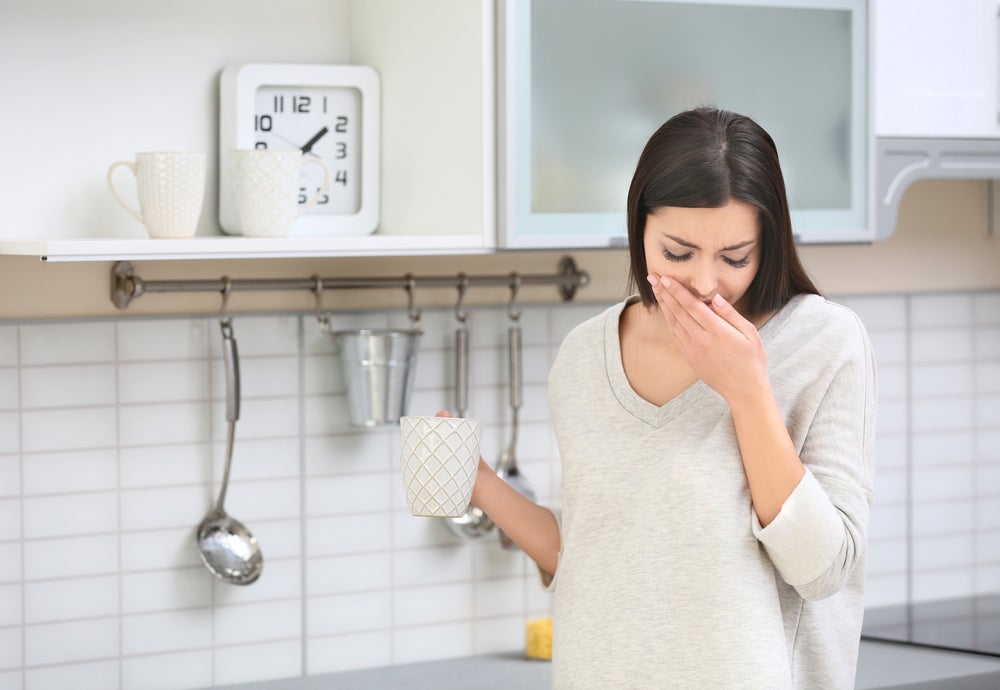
(266, 189)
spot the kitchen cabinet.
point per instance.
(936, 68)
(436, 65)
(936, 114)
(584, 84)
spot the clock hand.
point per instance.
(284, 139)
(293, 144)
(307, 147)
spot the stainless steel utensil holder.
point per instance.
(126, 285)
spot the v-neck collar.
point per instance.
(639, 407)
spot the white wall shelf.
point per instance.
(221, 247)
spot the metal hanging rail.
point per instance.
(126, 286)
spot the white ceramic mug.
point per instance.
(266, 189)
(171, 186)
(440, 458)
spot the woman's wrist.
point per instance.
(751, 395)
(483, 475)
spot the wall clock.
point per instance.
(329, 111)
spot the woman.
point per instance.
(715, 433)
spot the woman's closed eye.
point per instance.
(670, 256)
(738, 263)
(677, 258)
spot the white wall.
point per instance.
(936, 525)
(86, 84)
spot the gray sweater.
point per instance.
(665, 578)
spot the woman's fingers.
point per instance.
(680, 321)
(729, 314)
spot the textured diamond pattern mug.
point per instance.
(171, 186)
(266, 189)
(440, 457)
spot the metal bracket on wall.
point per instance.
(900, 162)
(993, 217)
(126, 285)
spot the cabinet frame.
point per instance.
(519, 227)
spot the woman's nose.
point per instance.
(704, 282)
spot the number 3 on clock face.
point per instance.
(330, 112)
(325, 123)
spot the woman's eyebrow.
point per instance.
(690, 245)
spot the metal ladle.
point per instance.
(507, 467)
(227, 547)
(475, 523)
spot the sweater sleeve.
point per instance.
(820, 534)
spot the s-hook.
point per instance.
(515, 285)
(411, 310)
(461, 314)
(317, 289)
(224, 320)
(461, 349)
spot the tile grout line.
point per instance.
(20, 448)
(202, 324)
(908, 358)
(303, 474)
(118, 482)
(977, 532)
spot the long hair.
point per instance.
(704, 158)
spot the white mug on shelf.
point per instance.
(266, 189)
(171, 187)
(440, 458)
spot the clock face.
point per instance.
(326, 123)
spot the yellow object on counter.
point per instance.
(538, 639)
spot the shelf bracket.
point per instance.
(122, 284)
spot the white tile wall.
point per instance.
(111, 450)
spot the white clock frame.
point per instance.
(238, 86)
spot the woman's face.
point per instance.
(708, 250)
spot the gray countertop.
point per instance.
(495, 672)
(881, 666)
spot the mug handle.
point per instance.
(111, 186)
(322, 190)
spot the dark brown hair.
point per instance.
(704, 158)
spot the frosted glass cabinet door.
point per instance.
(584, 84)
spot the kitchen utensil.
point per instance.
(378, 364)
(507, 467)
(228, 549)
(439, 458)
(378, 367)
(474, 523)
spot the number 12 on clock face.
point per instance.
(324, 122)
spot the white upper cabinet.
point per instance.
(936, 68)
(583, 84)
